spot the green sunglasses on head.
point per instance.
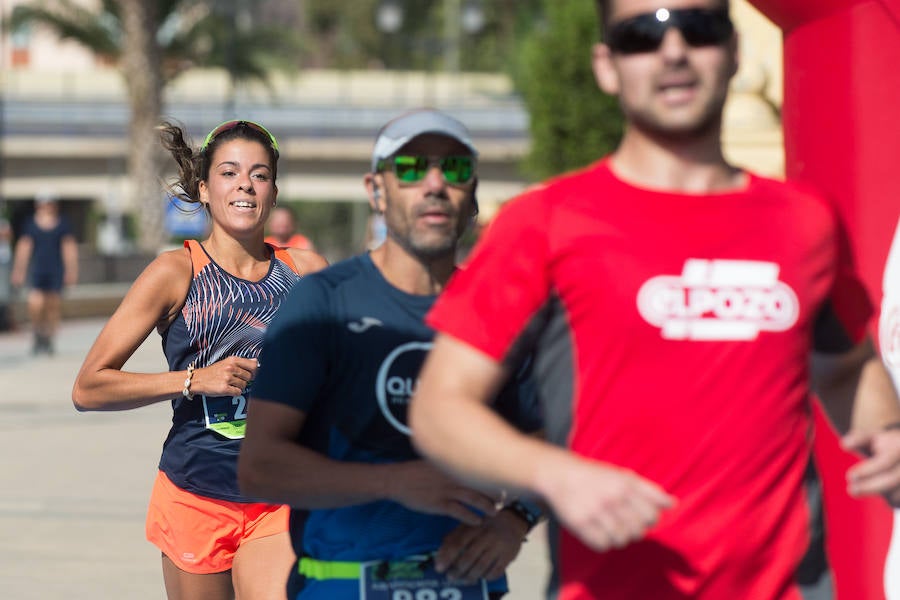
(414, 168)
(229, 125)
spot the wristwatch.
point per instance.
(527, 510)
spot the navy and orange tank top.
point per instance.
(222, 316)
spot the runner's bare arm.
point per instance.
(152, 302)
(70, 260)
(469, 553)
(21, 257)
(606, 506)
(855, 389)
(859, 397)
(274, 466)
(307, 261)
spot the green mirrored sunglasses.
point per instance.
(414, 168)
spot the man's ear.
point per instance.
(735, 46)
(604, 70)
(373, 190)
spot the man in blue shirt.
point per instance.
(327, 430)
(48, 252)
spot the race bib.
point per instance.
(225, 415)
(413, 580)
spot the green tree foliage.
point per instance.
(344, 34)
(190, 33)
(573, 123)
(152, 42)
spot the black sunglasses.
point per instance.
(645, 32)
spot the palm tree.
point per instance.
(153, 42)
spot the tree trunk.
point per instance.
(141, 67)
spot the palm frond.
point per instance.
(100, 32)
(111, 7)
(211, 41)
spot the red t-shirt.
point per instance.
(672, 334)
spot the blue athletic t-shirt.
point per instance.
(346, 349)
(46, 263)
(222, 316)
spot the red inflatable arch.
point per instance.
(841, 121)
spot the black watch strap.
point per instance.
(527, 511)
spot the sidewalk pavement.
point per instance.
(75, 486)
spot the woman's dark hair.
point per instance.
(193, 166)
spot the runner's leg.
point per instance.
(261, 567)
(51, 318)
(36, 311)
(181, 585)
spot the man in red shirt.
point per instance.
(672, 302)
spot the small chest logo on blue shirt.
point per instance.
(397, 380)
(363, 324)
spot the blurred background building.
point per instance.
(64, 114)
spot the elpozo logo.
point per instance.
(396, 382)
(719, 300)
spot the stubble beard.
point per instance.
(426, 251)
(708, 123)
(425, 245)
(428, 245)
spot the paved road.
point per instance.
(74, 487)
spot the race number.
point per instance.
(225, 415)
(413, 580)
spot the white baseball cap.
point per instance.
(401, 130)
